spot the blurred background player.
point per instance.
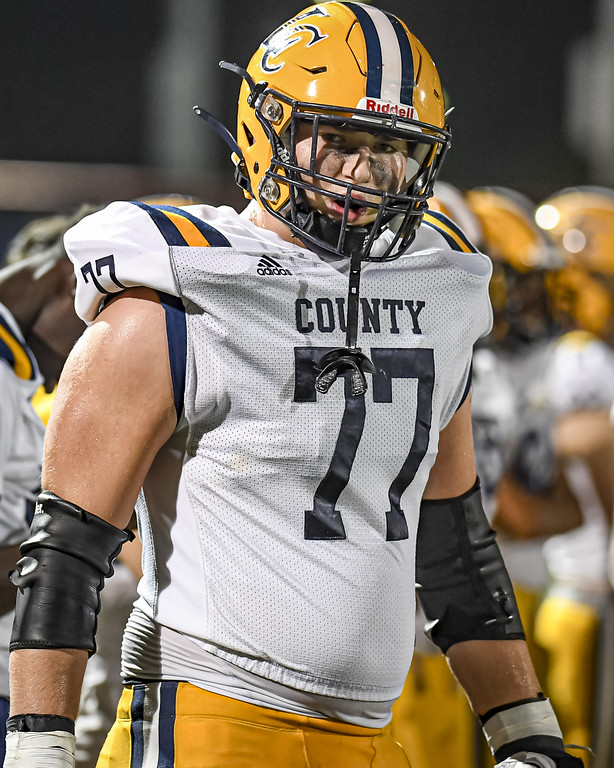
(508, 365)
(574, 622)
(432, 716)
(38, 327)
(511, 421)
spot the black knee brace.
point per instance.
(59, 578)
(461, 579)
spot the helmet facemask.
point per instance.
(399, 210)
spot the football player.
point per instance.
(579, 385)
(284, 394)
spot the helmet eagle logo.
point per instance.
(288, 35)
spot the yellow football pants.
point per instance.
(176, 725)
(568, 631)
(432, 719)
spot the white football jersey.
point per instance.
(500, 399)
(581, 376)
(279, 524)
(21, 452)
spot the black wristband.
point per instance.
(543, 745)
(40, 723)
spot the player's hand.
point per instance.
(538, 760)
(527, 760)
(49, 749)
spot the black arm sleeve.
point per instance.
(461, 579)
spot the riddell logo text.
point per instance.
(386, 108)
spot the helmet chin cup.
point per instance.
(340, 361)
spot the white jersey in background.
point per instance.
(21, 452)
(269, 493)
(505, 403)
(580, 376)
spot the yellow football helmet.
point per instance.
(521, 253)
(350, 65)
(580, 220)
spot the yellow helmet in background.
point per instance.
(511, 235)
(350, 65)
(580, 220)
(521, 253)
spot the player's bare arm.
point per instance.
(453, 472)
(87, 437)
(491, 672)
(457, 559)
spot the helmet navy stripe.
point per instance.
(374, 50)
(407, 61)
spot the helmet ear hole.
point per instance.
(248, 135)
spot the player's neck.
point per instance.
(263, 219)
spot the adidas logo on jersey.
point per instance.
(268, 266)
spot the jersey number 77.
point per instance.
(324, 521)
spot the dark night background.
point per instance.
(82, 82)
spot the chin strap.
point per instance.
(348, 358)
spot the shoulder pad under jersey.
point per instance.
(126, 245)
(439, 230)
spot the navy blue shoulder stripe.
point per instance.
(467, 386)
(177, 345)
(214, 236)
(168, 230)
(162, 216)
